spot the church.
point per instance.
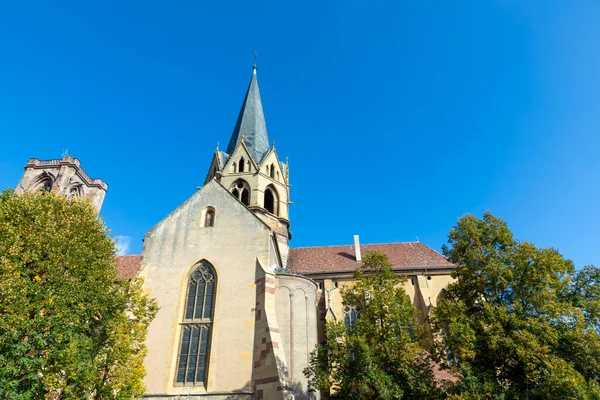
(240, 309)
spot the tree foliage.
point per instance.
(69, 327)
(520, 322)
(381, 356)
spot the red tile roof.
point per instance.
(128, 265)
(323, 259)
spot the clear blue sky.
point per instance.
(398, 117)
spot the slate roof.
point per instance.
(223, 158)
(327, 259)
(251, 124)
(128, 265)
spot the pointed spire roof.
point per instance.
(251, 125)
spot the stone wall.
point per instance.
(234, 245)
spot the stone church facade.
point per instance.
(240, 310)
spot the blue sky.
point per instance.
(397, 117)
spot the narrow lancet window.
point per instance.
(272, 173)
(196, 328)
(242, 164)
(271, 200)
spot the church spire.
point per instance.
(251, 126)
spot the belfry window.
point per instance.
(272, 172)
(271, 200)
(241, 190)
(241, 164)
(194, 351)
(209, 217)
(75, 191)
(45, 186)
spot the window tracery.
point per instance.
(45, 186)
(241, 190)
(194, 351)
(351, 315)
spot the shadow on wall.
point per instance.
(245, 393)
(295, 391)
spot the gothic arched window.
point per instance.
(75, 191)
(242, 164)
(245, 198)
(241, 190)
(272, 171)
(351, 314)
(194, 351)
(209, 217)
(271, 200)
(45, 186)
(41, 183)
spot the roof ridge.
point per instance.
(352, 245)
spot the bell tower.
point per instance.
(64, 176)
(250, 168)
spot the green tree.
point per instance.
(380, 356)
(520, 322)
(69, 327)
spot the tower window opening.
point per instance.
(271, 200)
(209, 218)
(233, 167)
(45, 186)
(241, 190)
(74, 191)
(272, 173)
(242, 164)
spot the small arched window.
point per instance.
(233, 167)
(271, 200)
(75, 190)
(194, 351)
(209, 217)
(242, 164)
(272, 173)
(241, 190)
